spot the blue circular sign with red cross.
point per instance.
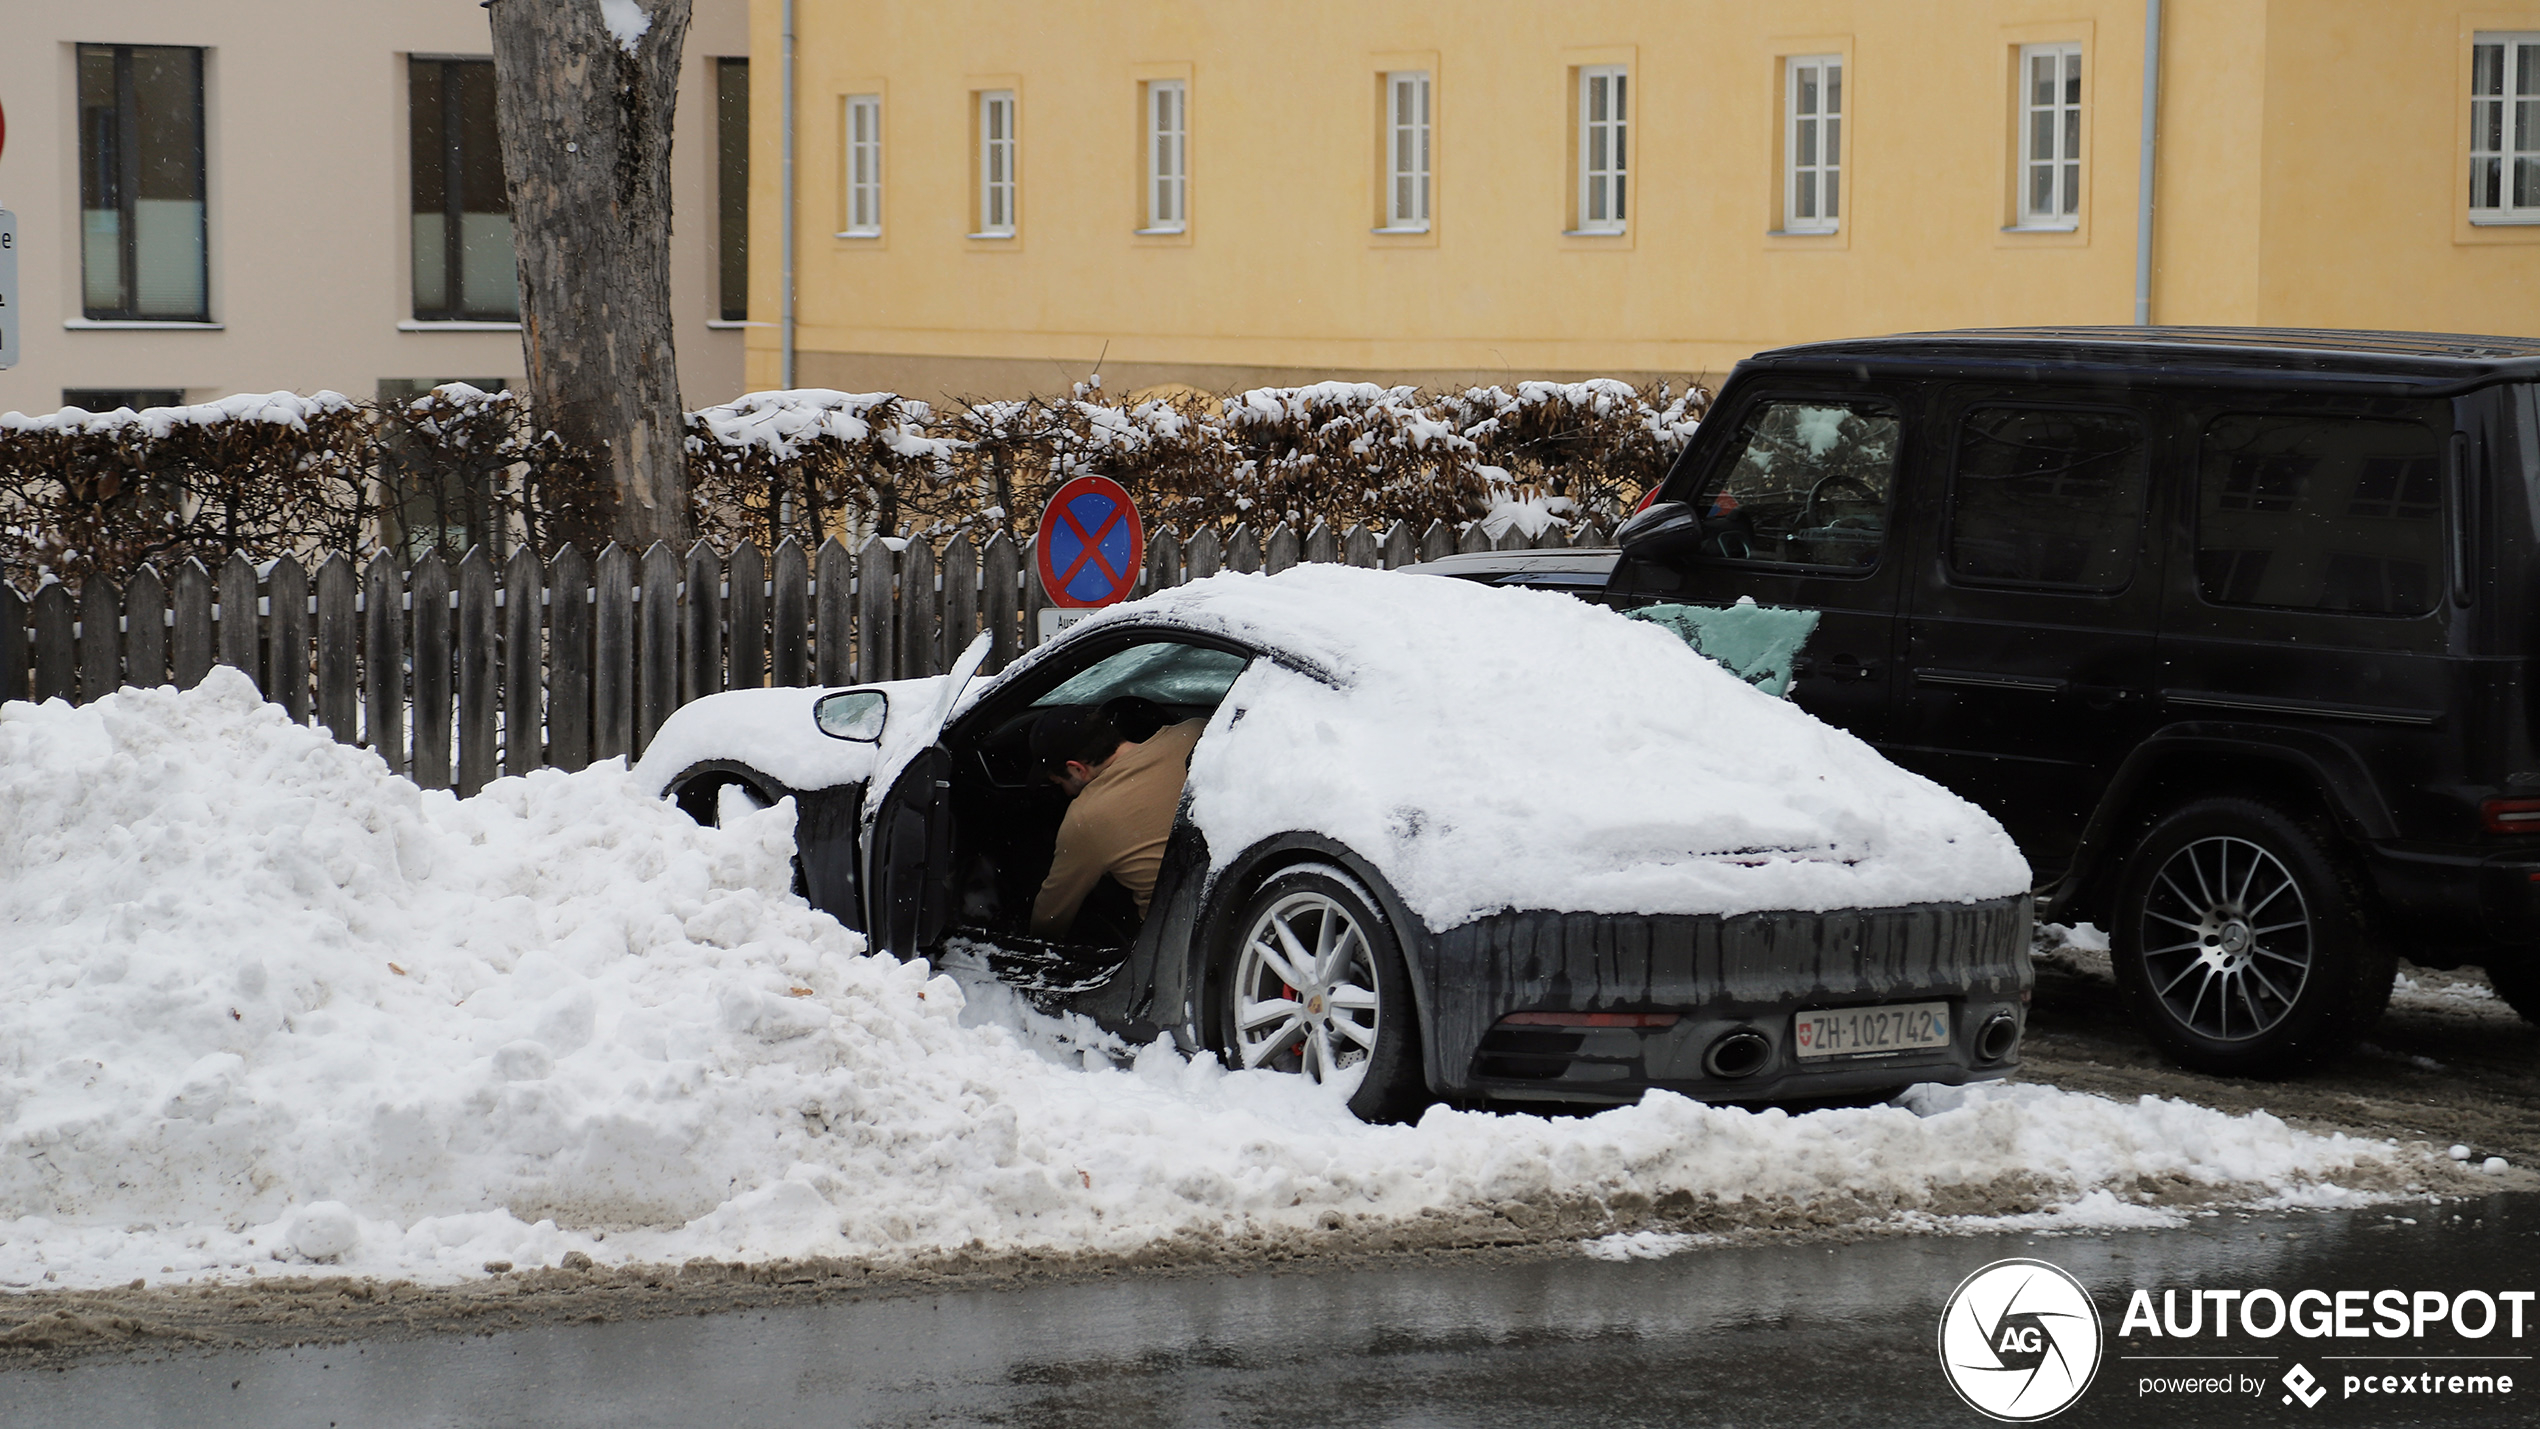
(1091, 543)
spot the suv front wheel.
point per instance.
(2241, 943)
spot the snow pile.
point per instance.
(288, 409)
(265, 1002)
(1491, 749)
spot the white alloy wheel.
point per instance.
(1307, 995)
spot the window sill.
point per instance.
(733, 324)
(138, 325)
(1402, 229)
(2042, 228)
(2505, 222)
(863, 233)
(1160, 232)
(1803, 233)
(1596, 233)
(412, 325)
(996, 237)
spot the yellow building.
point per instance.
(992, 196)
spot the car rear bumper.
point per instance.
(1658, 993)
(2470, 899)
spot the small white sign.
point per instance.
(1056, 618)
(8, 288)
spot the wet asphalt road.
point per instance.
(1776, 1335)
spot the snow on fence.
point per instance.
(456, 675)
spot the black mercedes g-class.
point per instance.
(2236, 630)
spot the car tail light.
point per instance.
(1590, 1019)
(2511, 816)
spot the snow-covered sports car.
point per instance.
(1437, 841)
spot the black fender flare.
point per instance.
(1222, 894)
(764, 784)
(2320, 761)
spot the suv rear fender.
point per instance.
(2302, 769)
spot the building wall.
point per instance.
(305, 156)
(2311, 162)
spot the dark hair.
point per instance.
(1072, 732)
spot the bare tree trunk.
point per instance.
(586, 116)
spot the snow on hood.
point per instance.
(267, 1005)
(1493, 748)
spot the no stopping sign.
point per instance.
(1091, 543)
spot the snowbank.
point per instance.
(1493, 748)
(265, 1005)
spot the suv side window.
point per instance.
(2047, 497)
(2320, 513)
(1806, 484)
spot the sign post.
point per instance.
(1089, 551)
(8, 288)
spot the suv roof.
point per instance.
(2416, 363)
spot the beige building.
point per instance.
(265, 195)
(992, 195)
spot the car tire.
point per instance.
(1349, 1019)
(2518, 983)
(2244, 944)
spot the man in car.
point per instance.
(1111, 844)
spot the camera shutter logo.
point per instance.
(2020, 1340)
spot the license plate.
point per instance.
(1869, 1031)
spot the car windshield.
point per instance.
(1165, 672)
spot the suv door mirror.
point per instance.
(1667, 531)
(852, 714)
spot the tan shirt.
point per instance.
(1117, 825)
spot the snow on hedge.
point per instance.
(288, 409)
(267, 1006)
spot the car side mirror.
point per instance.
(1667, 531)
(852, 714)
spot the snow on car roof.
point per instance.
(1491, 748)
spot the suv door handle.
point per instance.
(1836, 667)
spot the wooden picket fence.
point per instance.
(458, 675)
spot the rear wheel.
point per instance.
(1315, 985)
(2243, 945)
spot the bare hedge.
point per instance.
(99, 494)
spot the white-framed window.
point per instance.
(1812, 144)
(864, 166)
(2050, 136)
(997, 188)
(2504, 128)
(1604, 148)
(1168, 147)
(1407, 151)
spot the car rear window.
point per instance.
(2047, 496)
(2320, 513)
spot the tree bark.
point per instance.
(586, 128)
